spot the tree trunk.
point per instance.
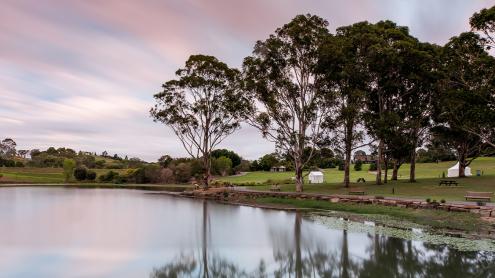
(395, 170)
(379, 163)
(385, 178)
(207, 173)
(462, 163)
(348, 150)
(299, 177)
(347, 164)
(412, 170)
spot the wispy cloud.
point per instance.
(82, 73)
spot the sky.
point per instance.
(82, 74)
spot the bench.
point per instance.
(275, 187)
(471, 195)
(356, 192)
(361, 180)
(447, 182)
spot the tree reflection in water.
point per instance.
(298, 255)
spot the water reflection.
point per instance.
(308, 256)
(49, 232)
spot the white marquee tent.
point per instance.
(315, 177)
(454, 171)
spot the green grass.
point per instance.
(39, 175)
(433, 218)
(427, 175)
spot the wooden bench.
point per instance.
(275, 187)
(356, 192)
(448, 182)
(471, 195)
(361, 180)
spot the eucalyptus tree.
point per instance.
(465, 114)
(400, 88)
(281, 75)
(8, 148)
(202, 106)
(342, 61)
(484, 21)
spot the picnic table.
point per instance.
(356, 192)
(473, 195)
(448, 182)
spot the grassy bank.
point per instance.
(428, 177)
(436, 219)
(39, 175)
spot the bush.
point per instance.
(428, 200)
(90, 175)
(341, 166)
(373, 167)
(110, 176)
(19, 164)
(442, 201)
(80, 173)
(358, 166)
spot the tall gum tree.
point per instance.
(202, 106)
(346, 73)
(464, 109)
(281, 75)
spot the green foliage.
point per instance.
(165, 160)
(234, 157)
(183, 172)
(80, 173)
(372, 167)
(358, 166)
(266, 162)
(223, 165)
(91, 175)
(484, 21)
(110, 176)
(68, 165)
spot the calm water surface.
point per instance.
(55, 232)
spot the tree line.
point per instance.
(366, 84)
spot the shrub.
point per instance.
(167, 176)
(19, 164)
(373, 167)
(80, 173)
(428, 200)
(358, 166)
(90, 175)
(341, 166)
(110, 176)
(379, 197)
(442, 201)
(183, 172)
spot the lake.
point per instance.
(61, 232)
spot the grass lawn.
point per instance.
(427, 175)
(433, 218)
(39, 175)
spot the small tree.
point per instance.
(223, 165)
(80, 173)
(203, 106)
(69, 165)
